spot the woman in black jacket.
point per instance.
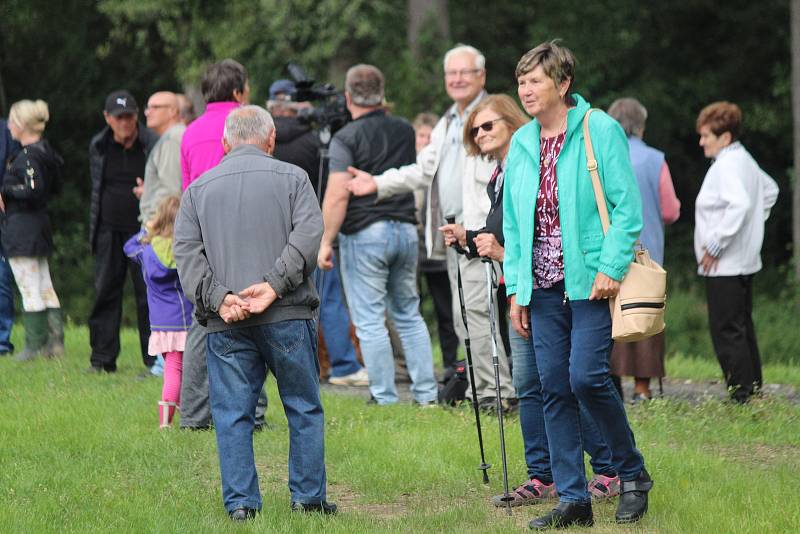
(30, 181)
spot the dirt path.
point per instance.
(693, 391)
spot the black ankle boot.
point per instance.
(564, 515)
(633, 498)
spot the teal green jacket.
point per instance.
(586, 250)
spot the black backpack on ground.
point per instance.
(455, 387)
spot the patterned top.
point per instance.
(548, 258)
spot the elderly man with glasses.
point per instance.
(162, 173)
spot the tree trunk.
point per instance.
(795, 22)
(345, 58)
(422, 11)
(2, 87)
(2, 97)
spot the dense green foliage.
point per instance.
(675, 56)
(82, 453)
(774, 316)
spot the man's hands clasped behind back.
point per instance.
(250, 301)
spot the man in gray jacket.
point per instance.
(246, 240)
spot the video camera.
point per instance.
(330, 112)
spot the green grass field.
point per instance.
(82, 453)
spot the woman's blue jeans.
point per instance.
(572, 340)
(531, 417)
(237, 362)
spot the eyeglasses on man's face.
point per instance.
(463, 73)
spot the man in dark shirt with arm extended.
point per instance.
(378, 240)
(117, 157)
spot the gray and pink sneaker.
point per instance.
(529, 492)
(603, 487)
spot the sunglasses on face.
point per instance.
(486, 127)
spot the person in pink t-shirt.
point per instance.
(224, 87)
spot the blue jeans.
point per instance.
(335, 322)
(6, 303)
(572, 342)
(237, 363)
(379, 267)
(531, 417)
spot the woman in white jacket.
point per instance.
(730, 210)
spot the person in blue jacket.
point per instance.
(169, 310)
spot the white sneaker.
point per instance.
(359, 378)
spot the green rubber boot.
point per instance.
(35, 324)
(55, 333)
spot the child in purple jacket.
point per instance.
(170, 311)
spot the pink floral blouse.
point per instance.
(548, 258)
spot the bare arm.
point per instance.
(670, 205)
(334, 208)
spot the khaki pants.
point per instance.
(473, 280)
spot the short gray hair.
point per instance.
(631, 114)
(248, 125)
(480, 59)
(365, 85)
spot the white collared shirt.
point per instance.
(731, 207)
(451, 160)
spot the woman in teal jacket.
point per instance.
(560, 270)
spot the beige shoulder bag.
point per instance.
(637, 312)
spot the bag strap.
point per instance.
(591, 164)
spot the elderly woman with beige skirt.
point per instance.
(644, 359)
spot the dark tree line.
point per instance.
(674, 56)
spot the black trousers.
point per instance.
(730, 310)
(439, 289)
(111, 265)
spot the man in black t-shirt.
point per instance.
(377, 240)
(117, 157)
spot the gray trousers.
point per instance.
(195, 407)
(473, 280)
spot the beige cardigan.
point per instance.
(419, 175)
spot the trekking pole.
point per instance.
(490, 285)
(484, 466)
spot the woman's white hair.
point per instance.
(631, 114)
(480, 59)
(248, 125)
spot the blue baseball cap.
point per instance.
(281, 86)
